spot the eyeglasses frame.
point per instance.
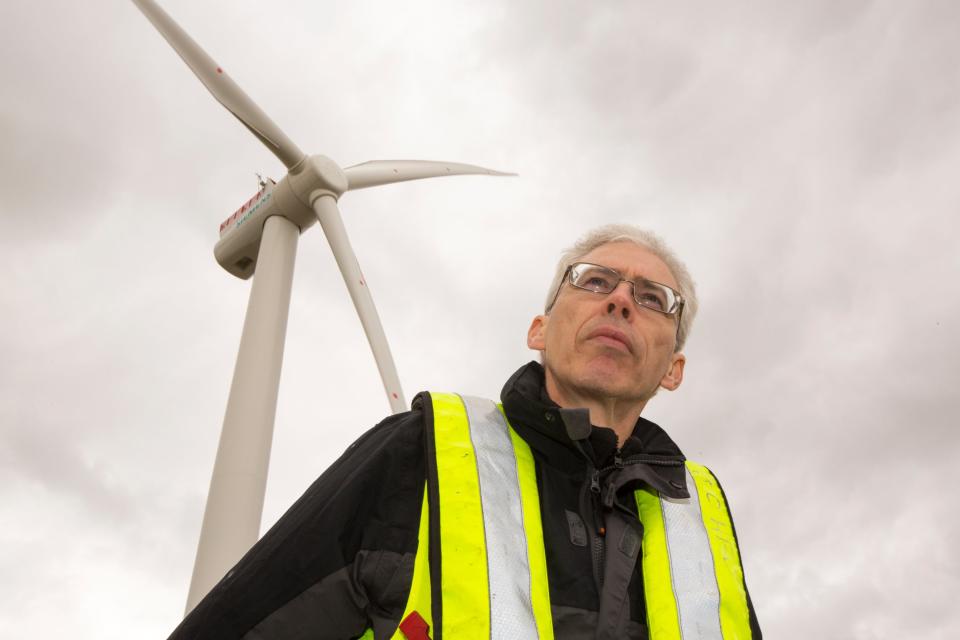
(633, 289)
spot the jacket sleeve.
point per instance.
(340, 560)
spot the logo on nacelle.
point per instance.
(247, 209)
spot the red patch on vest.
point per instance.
(414, 627)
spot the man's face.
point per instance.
(608, 347)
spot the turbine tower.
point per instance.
(260, 240)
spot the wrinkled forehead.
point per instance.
(632, 261)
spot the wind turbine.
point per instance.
(261, 238)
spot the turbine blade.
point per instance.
(328, 214)
(223, 88)
(378, 172)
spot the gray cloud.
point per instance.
(799, 156)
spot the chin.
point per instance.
(608, 388)
(600, 377)
(606, 381)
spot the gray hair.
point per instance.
(649, 241)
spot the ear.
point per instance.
(674, 375)
(536, 333)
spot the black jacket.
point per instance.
(341, 559)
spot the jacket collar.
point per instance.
(564, 436)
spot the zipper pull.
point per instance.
(618, 458)
(595, 482)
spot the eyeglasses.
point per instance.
(603, 280)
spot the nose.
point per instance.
(620, 300)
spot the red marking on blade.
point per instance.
(219, 70)
(362, 283)
(395, 396)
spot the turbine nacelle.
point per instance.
(292, 198)
(295, 195)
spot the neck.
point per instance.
(618, 414)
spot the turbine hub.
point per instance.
(317, 174)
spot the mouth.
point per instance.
(611, 337)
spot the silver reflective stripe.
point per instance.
(511, 608)
(691, 567)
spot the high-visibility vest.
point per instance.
(493, 569)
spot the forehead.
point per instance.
(632, 261)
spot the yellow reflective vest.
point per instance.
(493, 579)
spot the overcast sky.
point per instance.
(800, 156)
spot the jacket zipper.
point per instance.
(596, 537)
(599, 503)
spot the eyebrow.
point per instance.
(626, 276)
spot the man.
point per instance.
(581, 519)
